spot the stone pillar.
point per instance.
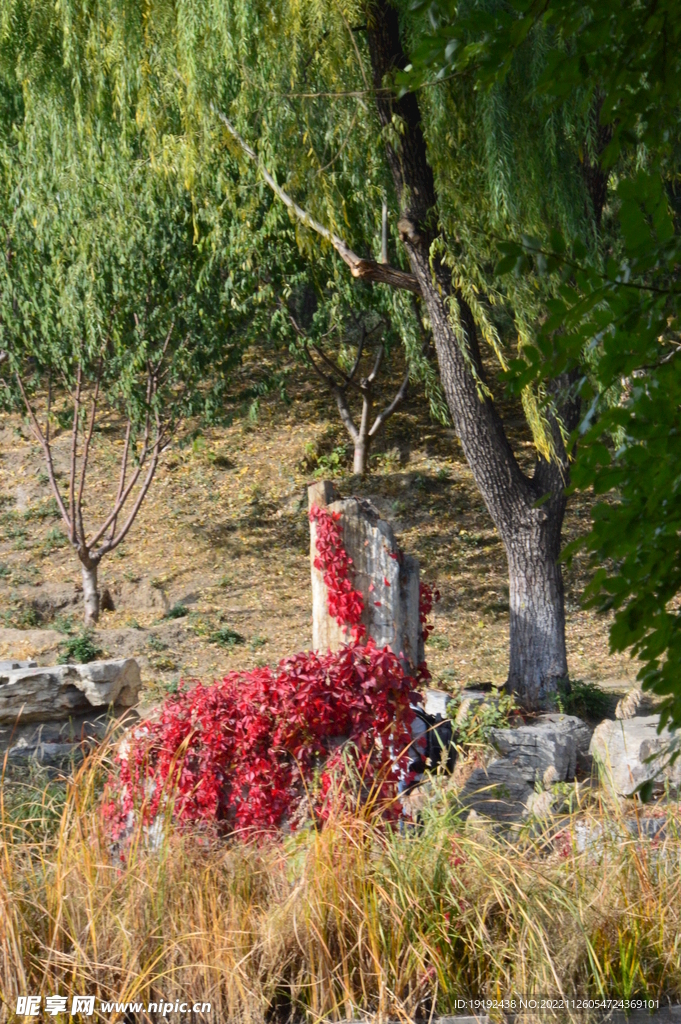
(389, 584)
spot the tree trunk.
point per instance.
(538, 659)
(90, 594)
(531, 535)
(359, 462)
(362, 440)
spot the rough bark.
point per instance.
(90, 594)
(531, 534)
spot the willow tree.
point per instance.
(306, 93)
(110, 314)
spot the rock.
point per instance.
(499, 791)
(436, 702)
(48, 694)
(49, 755)
(389, 584)
(629, 705)
(622, 747)
(554, 740)
(92, 725)
(7, 666)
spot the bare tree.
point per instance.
(138, 465)
(342, 384)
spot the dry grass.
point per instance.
(333, 923)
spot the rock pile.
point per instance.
(548, 751)
(47, 713)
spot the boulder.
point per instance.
(622, 748)
(554, 740)
(47, 694)
(8, 666)
(500, 791)
(27, 737)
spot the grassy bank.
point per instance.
(327, 924)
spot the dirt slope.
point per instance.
(224, 532)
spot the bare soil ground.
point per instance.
(224, 532)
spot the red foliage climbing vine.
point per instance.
(345, 603)
(428, 596)
(258, 747)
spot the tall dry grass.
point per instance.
(334, 922)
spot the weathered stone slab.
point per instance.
(9, 666)
(622, 747)
(62, 691)
(90, 726)
(388, 581)
(500, 791)
(554, 740)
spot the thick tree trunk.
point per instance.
(538, 659)
(90, 594)
(530, 534)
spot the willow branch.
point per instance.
(365, 270)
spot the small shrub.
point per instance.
(585, 700)
(21, 616)
(47, 509)
(178, 611)
(257, 642)
(64, 624)
(227, 637)
(54, 540)
(79, 649)
(156, 643)
(333, 464)
(483, 716)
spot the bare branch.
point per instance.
(48, 454)
(330, 383)
(124, 470)
(387, 412)
(86, 449)
(74, 455)
(345, 414)
(349, 382)
(121, 500)
(360, 349)
(366, 270)
(49, 408)
(377, 365)
(115, 541)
